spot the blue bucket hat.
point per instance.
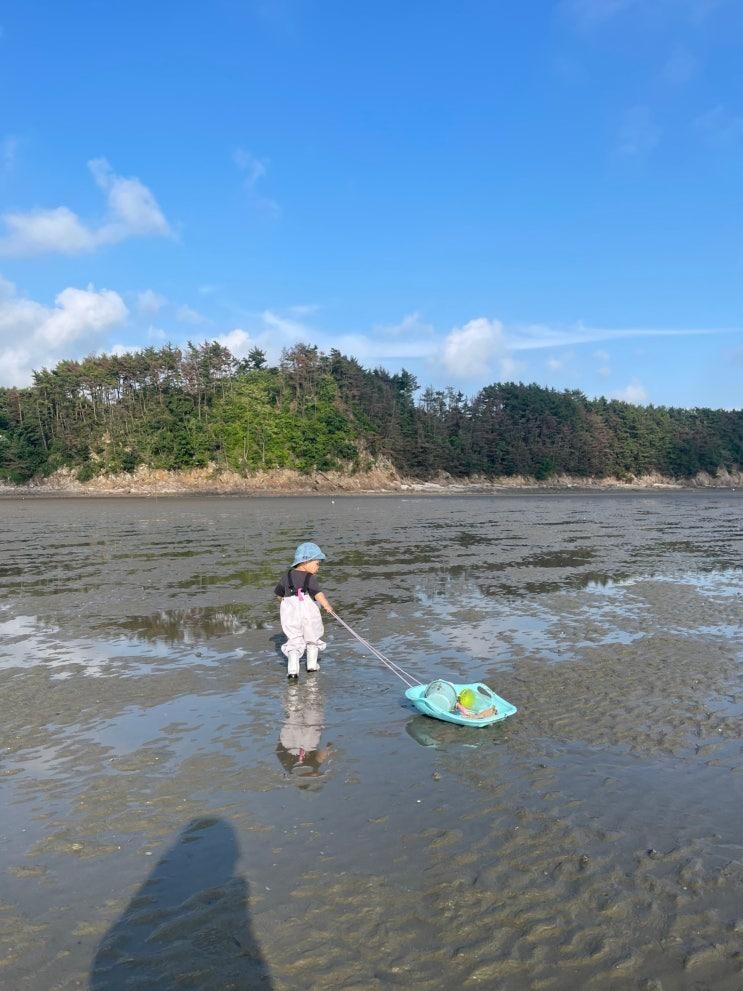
(307, 552)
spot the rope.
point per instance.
(403, 675)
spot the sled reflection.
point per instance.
(438, 735)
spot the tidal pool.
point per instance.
(175, 815)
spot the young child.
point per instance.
(298, 591)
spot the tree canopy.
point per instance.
(181, 408)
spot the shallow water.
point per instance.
(159, 831)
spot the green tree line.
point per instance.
(183, 408)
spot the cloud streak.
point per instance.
(537, 336)
(480, 347)
(472, 352)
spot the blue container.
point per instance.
(438, 698)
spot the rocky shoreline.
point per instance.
(381, 479)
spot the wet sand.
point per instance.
(159, 829)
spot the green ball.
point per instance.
(467, 698)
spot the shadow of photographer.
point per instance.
(188, 926)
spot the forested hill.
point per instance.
(172, 408)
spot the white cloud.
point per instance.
(33, 335)
(187, 314)
(254, 169)
(120, 349)
(132, 207)
(14, 366)
(132, 212)
(149, 301)
(410, 324)
(274, 330)
(475, 350)
(238, 342)
(633, 392)
(38, 231)
(470, 351)
(467, 351)
(81, 311)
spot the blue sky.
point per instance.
(547, 192)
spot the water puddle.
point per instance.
(194, 625)
(29, 641)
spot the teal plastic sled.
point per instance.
(437, 699)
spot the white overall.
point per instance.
(302, 623)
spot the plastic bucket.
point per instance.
(441, 694)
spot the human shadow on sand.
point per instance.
(188, 926)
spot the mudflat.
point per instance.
(175, 815)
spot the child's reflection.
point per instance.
(299, 748)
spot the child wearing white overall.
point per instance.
(299, 591)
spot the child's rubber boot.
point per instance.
(312, 652)
(292, 667)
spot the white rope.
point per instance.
(395, 668)
(403, 675)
